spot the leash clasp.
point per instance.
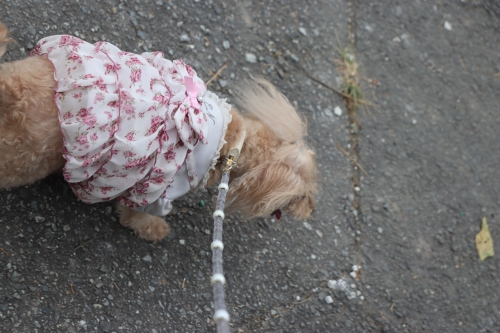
(229, 163)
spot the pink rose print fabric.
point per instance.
(129, 121)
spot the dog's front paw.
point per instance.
(148, 227)
(154, 229)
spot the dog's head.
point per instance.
(287, 181)
(279, 169)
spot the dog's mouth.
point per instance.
(277, 214)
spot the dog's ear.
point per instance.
(271, 186)
(301, 207)
(262, 190)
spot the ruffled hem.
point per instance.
(227, 117)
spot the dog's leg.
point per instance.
(146, 226)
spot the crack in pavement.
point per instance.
(354, 149)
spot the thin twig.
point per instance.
(183, 283)
(328, 86)
(2, 249)
(337, 91)
(353, 160)
(462, 63)
(71, 287)
(306, 298)
(217, 74)
(76, 248)
(116, 285)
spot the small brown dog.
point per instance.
(276, 169)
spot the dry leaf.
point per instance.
(484, 243)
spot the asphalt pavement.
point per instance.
(392, 252)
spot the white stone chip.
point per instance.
(251, 58)
(332, 284)
(338, 111)
(447, 26)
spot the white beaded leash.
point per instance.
(221, 316)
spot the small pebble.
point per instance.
(380, 230)
(338, 111)
(182, 242)
(226, 44)
(201, 203)
(332, 283)
(447, 26)
(328, 299)
(141, 35)
(184, 38)
(303, 31)
(104, 325)
(251, 58)
(147, 258)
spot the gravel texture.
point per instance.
(430, 149)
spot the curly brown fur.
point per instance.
(275, 170)
(30, 139)
(4, 38)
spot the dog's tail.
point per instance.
(262, 101)
(4, 38)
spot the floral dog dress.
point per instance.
(137, 128)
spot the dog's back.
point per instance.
(30, 139)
